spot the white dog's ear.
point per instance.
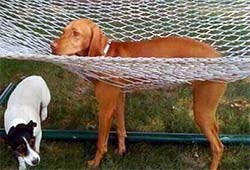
(31, 124)
(8, 136)
(11, 131)
(98, 42)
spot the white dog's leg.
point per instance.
(44, 113)
(38, 141)
(22, 165)
(45, 102)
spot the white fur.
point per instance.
(30, 98)
(32, 155)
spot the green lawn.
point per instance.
(73, 106)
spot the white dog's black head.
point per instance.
(22, 141)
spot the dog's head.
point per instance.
(22, 141)
(80, 37)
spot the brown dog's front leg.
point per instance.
(103, 135)
(107, 97)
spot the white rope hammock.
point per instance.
(28, 26)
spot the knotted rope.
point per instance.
(28, 26)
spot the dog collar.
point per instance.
(106, 49)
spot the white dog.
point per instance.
(26, 107)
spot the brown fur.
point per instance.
(82, 37)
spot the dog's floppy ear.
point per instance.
(7, 137)
(11, 131)
(31, 125)
(98, 42)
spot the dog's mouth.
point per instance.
(57, 51)
(78, 53)
(32, 158)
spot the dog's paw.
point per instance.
(22, 167)
(121, 147)
(120, 151)
(92, 165)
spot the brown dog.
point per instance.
(84, 38)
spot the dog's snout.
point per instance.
(54, 45)
(35, 161)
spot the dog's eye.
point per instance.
(75, 33)
(21, 149)
(32, 142)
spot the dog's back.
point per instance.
(26, 100)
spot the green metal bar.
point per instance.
(4, 96)
(77, 135)
(6, 93)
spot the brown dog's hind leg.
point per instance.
(107, 97)
(206, 99)
(120, 123)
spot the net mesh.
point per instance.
(28, 26)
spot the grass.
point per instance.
(73, 106)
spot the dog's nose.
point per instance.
(35, 161)
(53, 45)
